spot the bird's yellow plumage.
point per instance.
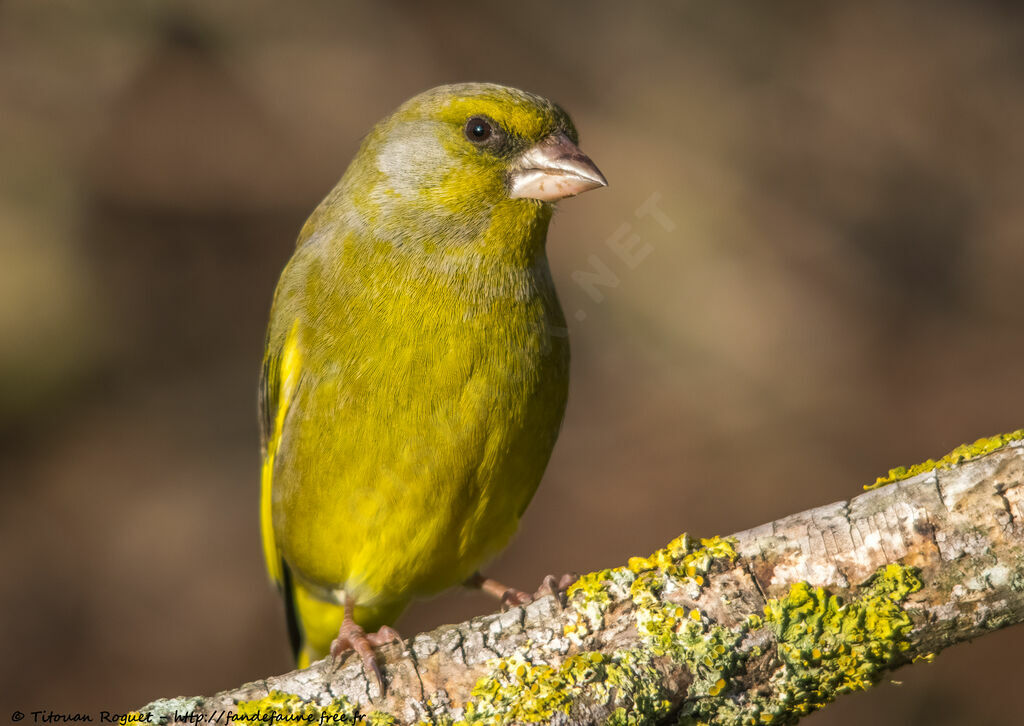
(416, 364)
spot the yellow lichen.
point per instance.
(682, 558)
(962, 453)
(682, 562)
(706, 649)
(830, 648)
(287, 708)
(590, 597)
(825, 648)
(520, 691)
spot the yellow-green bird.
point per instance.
(416, 365)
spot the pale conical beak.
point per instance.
(552, 169)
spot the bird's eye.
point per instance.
(478, 129)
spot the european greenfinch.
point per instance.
(416, 365)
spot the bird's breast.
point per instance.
(425, 426)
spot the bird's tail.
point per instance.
(312, 623)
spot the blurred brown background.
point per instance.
(834, 288)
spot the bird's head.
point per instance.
(465, 163)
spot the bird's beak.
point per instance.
(552, 169)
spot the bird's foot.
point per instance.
(551, 585)
(511, 597)
(352, 637)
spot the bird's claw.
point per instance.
(512, 598)
(551, 585)
(556, 586)
(352, 637)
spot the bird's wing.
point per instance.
(279, 380)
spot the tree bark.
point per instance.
(761, 627)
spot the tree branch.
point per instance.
(761, 627)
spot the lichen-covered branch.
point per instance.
(761, 627)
